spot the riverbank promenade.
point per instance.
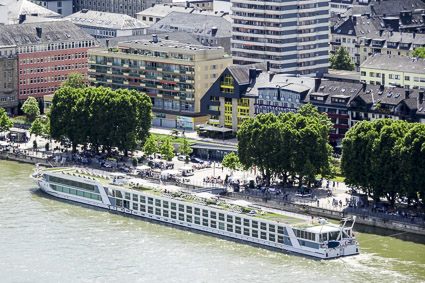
(331, 199)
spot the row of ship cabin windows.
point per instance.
(75, 192)
(263, 234)
(71, 183)
(196, 211)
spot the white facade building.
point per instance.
(292, 35)
(62, 7)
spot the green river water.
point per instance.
(45, 240)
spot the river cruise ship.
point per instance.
(206, 212)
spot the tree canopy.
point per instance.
(37, 128)
(231, 161)
(385, 158)
(286, 145)
(151, 146)
(101, 116)
(31, 108)
(419, 52)
(5, 122)
(74, 80)
(341, 60)
(185, 148)
(167, 149)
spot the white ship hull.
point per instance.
(292, 242)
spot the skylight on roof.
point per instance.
(99, 21)
(90, 20)
(350, 31)
(108, 23)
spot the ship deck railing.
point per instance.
(266, 213)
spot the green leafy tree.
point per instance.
(412, 151)
(31, 108)
(46, 127)
(376, 156)
(308, 110)
(284, 145)
(5, 122)
(231, 161)
(257, 139)
(341, 60)
(37, 128)
(151, 146)
(185, 148)
(67, 120)
(101, 117)
(74, 80)
(419, 52)
(167, 149)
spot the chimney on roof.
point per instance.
(252, 75)
(22, 18)
(421, 97)
(107, 43)
(187, 4)
(372, 10)
(154, 38)
(354, 19)
(271, 75)
(317, 82)
(381, 31)
(407, 93)
(268, 66)
(364, 87)
(166, 37)
(381, 87)
(214, 31)
(39, 31)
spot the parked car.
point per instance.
(181, 157)
(196, 160)
(107, 165)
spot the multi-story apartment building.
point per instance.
(174, 75)
(62, 7)
(209, 30)
(247, 90)
(129, 7)
(227, 102)
(292, 36)
(391, 70)
(47, 53)
(367, 35)
(107, 25)
(8, 77)
(243, 91)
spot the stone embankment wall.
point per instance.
(284, 205)
(332, 214)
(24, 158)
